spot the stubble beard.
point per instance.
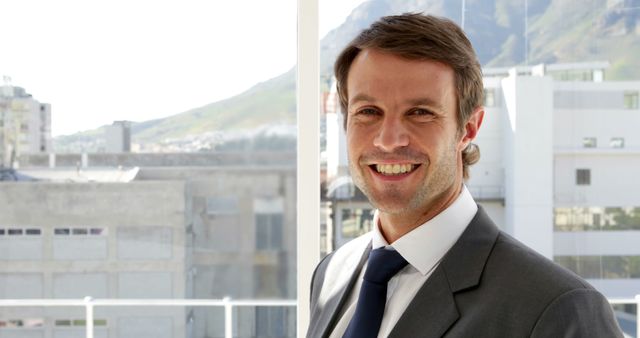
(394, 202)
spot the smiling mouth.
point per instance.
(394, 169)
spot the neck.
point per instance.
(395, 225)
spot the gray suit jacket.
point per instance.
(487, 285)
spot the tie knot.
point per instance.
(383, 264)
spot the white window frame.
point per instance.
(308, 155)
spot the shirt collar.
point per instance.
(424, 246)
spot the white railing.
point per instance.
(623, 301)
(89, 303)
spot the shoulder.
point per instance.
(513, 259)
(581, 312)
(553, 299)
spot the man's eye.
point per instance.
(421, 112)
(367, 111)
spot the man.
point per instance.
(434, 265)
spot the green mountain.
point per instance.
(559, 31)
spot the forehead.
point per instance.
(376, 73)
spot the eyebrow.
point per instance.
(361, 97)
(422, 101)
(425, 101)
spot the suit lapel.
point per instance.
(339, 294)
(433, 310)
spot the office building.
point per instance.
(149, 226)
(25, 124)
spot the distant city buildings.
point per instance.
(25, 124)
(118, 137)
(199, 225)
(559, 170)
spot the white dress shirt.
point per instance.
(423, 248)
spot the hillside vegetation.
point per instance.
(559, 31)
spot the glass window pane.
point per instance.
(62, 231)
(32, 231)
(79, 231)
(133, 155)
(15, 232)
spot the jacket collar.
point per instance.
(434, 310)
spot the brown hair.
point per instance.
(422, 37)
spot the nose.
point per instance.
(391, 135)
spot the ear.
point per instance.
(471, 127)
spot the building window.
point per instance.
(97, 231)
(631, 100)
(596, 218)
(61, 231)
(583, 176)
(78, 322)
(33, 232)
(269, 231)
(15, 232)
(21, 231)
(79, 231)
(269, 220)
(11, 323)
(589, 142)
(617, 142)
(62, 322)
(21, 323)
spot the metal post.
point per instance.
(638, 316)
(228, 318)
(89, 316)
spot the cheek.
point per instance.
(356, 137)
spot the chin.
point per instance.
(391, 205)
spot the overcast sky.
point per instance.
(100, 61)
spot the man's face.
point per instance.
(403, 141)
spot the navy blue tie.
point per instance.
(382, 265)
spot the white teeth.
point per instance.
(394, 169)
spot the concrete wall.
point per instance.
(131, 245)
